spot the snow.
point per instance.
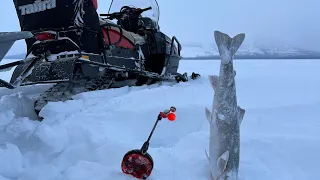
(87, 137)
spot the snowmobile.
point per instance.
(77, 50)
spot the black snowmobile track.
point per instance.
(64, 91)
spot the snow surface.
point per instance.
(87, 137)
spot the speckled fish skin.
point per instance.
(226, 116)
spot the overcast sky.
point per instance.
(290, 22)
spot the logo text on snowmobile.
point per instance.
(37, 6)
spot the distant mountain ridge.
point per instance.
(197, 51)
(250, 52)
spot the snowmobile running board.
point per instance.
(118, 68)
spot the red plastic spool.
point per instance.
(136, 164)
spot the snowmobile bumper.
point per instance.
(29, 62)
(26, 67)
(7, 67)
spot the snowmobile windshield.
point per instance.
(153, 13)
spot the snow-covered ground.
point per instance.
(87, 137)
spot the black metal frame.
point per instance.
(24, 72)
(167, 60)
(9, 65)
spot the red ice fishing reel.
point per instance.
(138, 162)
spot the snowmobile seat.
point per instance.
(135, 39)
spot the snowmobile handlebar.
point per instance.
(118, 15)
(142, 10)
(112, 16)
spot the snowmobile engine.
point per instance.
(138, 162)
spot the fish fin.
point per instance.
(214, 80)
(236, 42)
(208, 115)
(228, 46)
(207, 155)
(223, 161)
(211, 176)
(241, 114)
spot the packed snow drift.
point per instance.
(86, 138)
